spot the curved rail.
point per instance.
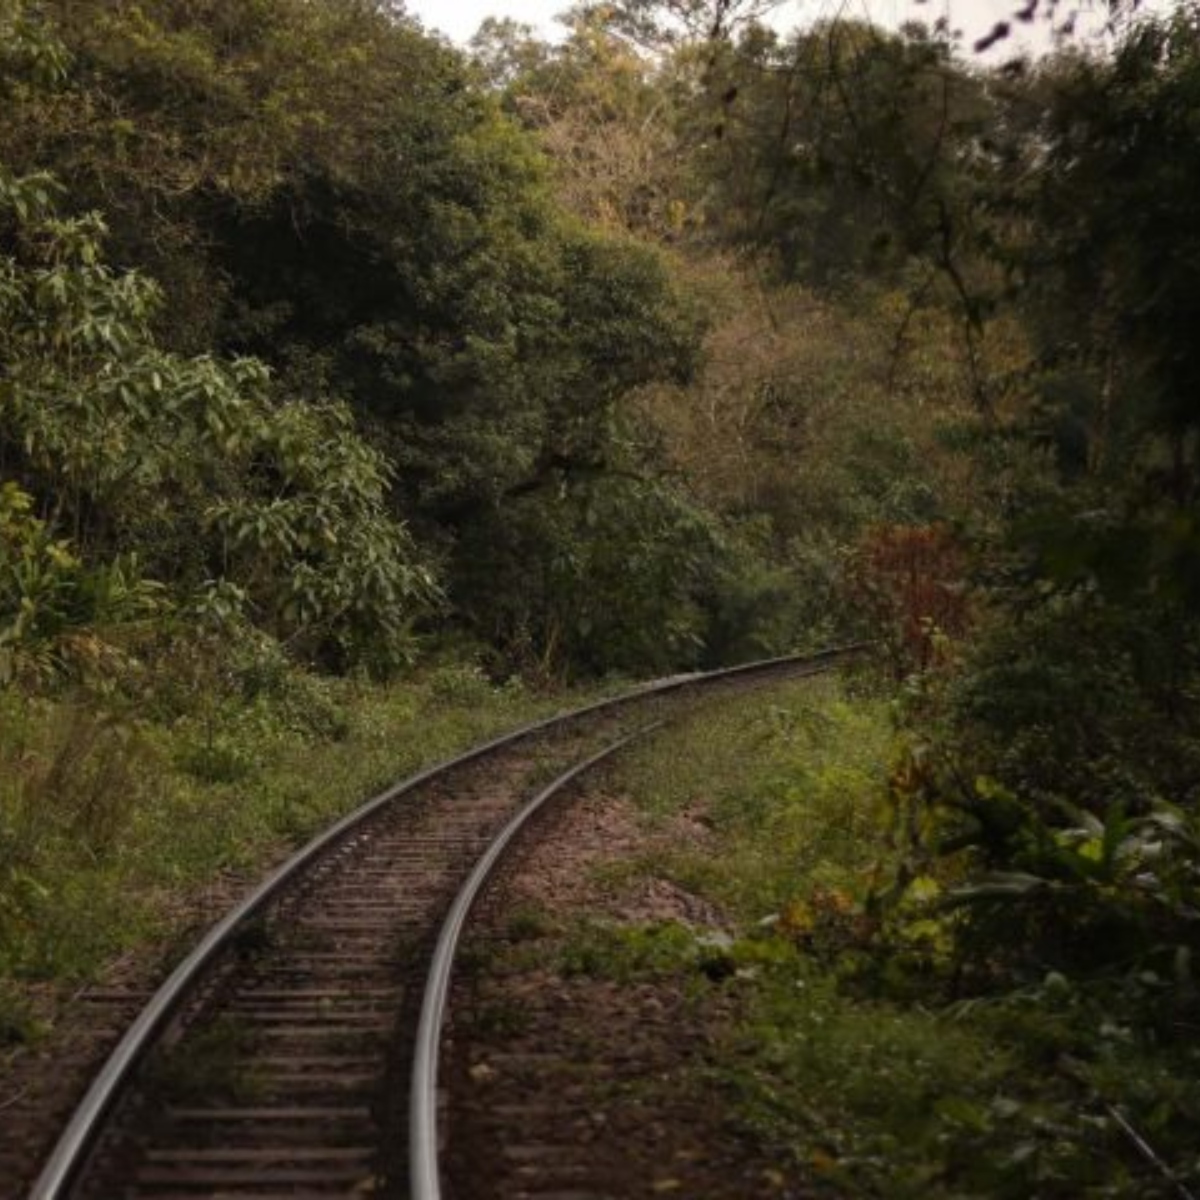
(81, 1133)
(423, 1129)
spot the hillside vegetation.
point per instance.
(339, 365)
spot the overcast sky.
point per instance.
(459, 19)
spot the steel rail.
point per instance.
(423, 1145)
(81, 1133)
(424, 1176)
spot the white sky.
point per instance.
(459, 19)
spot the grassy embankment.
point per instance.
(116, 830)
(858, 1056)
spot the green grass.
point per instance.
(788, 780)
(850, 1059)
(110, 824)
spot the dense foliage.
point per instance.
(321, 186)
(1034, 570)
(187, 469)
(1069, 757)
(324, 344)
(1040, 603)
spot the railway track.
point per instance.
(294, 1052)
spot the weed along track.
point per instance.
(276, 1060)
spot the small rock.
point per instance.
(482, 1073)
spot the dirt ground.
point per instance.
(569, 1087)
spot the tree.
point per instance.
(604, 113)
(839, 153)
(1059, 766)
(323, 188)
(192, 465)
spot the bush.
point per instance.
(233, 496)
(1053, 787)
(56, 615)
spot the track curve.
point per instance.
(294, 996)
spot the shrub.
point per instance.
(56, 615)
(195, 464)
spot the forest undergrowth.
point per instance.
(861, 1054)
(116, 824)
(360, 394)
